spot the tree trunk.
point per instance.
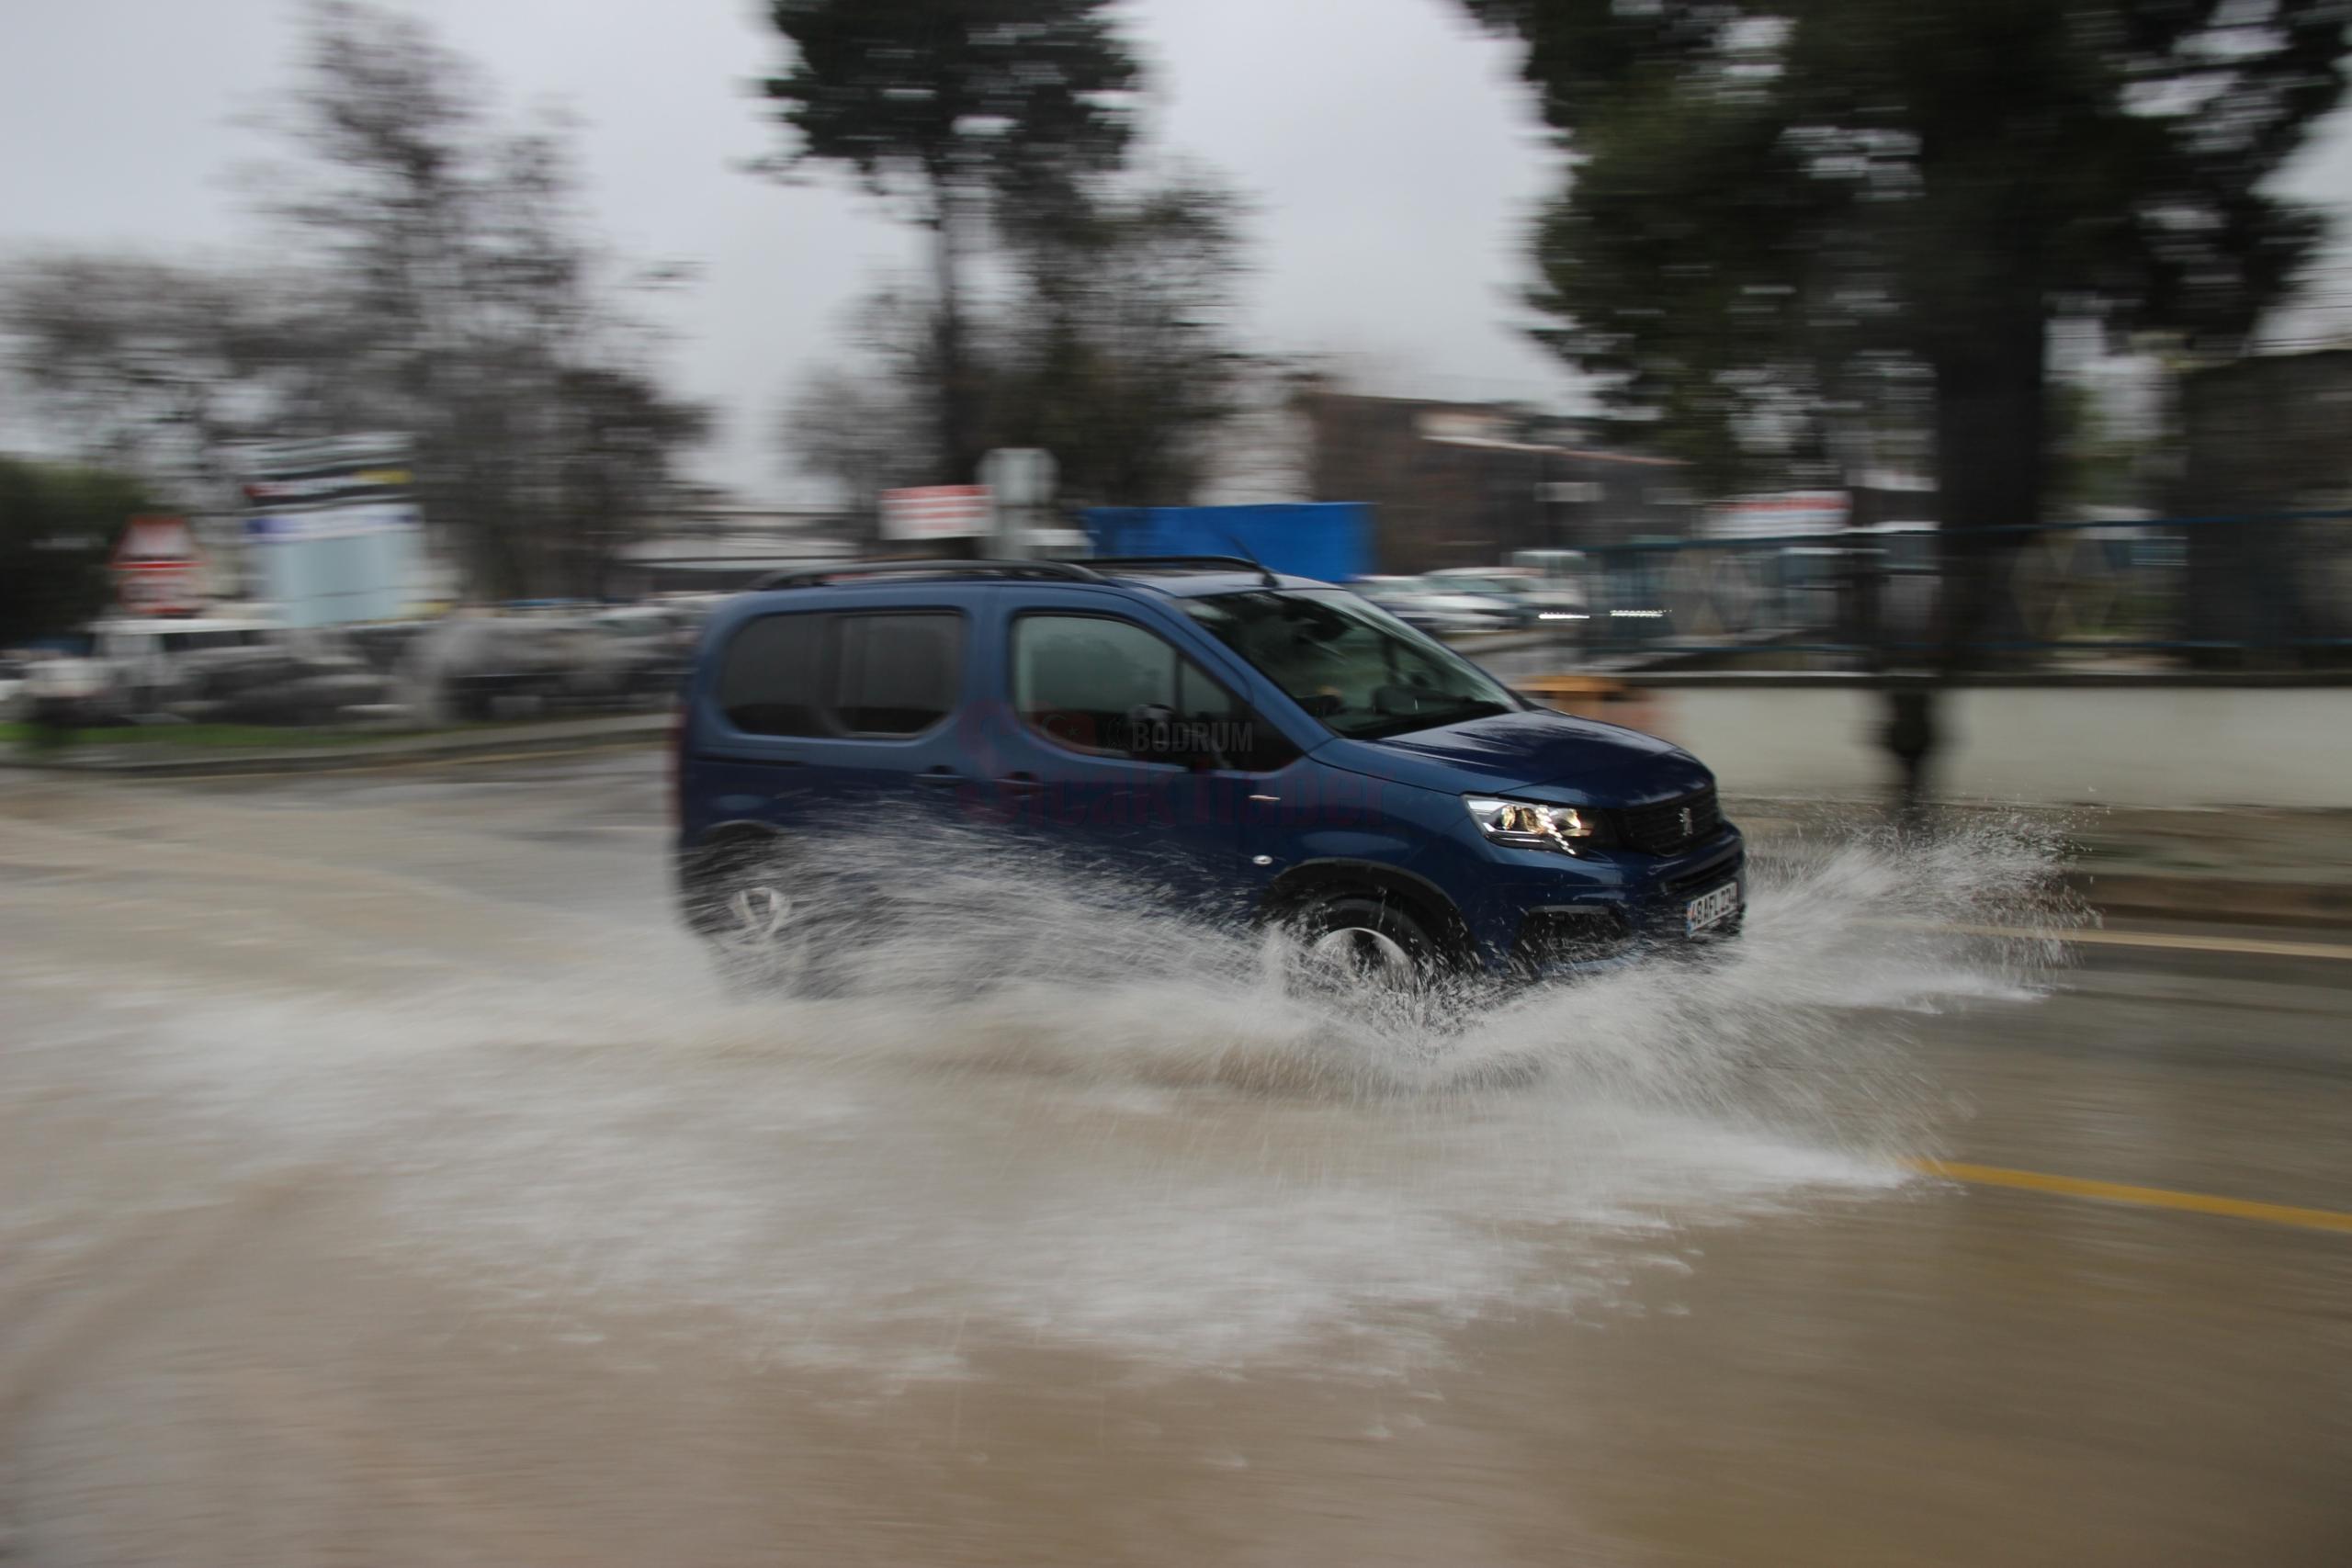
(1990, 460)
(1990, 437)
(953, 461)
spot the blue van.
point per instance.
(1271, 748)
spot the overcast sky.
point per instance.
(1390, 149)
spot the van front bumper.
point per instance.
(1610, 906)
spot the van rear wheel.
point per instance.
(753, 916)
(745, 908)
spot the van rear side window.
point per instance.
(898, 673)
(885, 673)
(771, 681)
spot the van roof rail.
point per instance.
(817, 576)
(1219, 563)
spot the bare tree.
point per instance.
(860, 434)
(869, 423)
(1117, 350)
(484, 318)
(439, 281)
(162, 368)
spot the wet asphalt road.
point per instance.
(383, 1179)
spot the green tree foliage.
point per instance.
(1780, 213)
(58, 526)
(967, 111)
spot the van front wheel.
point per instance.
(1359, 939)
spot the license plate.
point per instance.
(1712, 908)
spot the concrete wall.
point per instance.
(2157, 746)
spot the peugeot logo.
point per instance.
(1689, 823)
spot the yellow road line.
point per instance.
(2140, 1197)
(2161, 940)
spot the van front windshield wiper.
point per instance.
(1408, 723)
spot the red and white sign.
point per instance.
(157, 568)
(1785, 515)
(935, 512)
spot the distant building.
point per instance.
(1466, 484)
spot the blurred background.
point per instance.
(1680, 341)
(1941, 403)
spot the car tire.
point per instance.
(1354, 941)
(772, 929)
(741, 905)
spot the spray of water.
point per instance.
(1024, 1105)
(1046, 967)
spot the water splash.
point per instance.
(1046, 969)
(1039, 1110)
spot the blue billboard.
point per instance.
(1329, 539)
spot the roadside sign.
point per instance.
(1019, 475)
(1785, 512)
(157, 571)
(1020, 481)
(935, 512)
(331, 532)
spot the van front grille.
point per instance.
(1671, 826)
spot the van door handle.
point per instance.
(942, 777)
(1021, 783)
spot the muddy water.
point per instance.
(389, 1181)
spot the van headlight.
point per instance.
(1523, 825)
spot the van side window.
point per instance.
(897, 674)
(771, 678)
(1083, 682)
(1075, 679)
(1230, 729)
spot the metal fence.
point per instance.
(2261, 590)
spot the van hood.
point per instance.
(1536, 753)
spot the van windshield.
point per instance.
(1359, 670)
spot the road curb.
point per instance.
(2193, 899)
(2217, 899)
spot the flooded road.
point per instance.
(385, 1178)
